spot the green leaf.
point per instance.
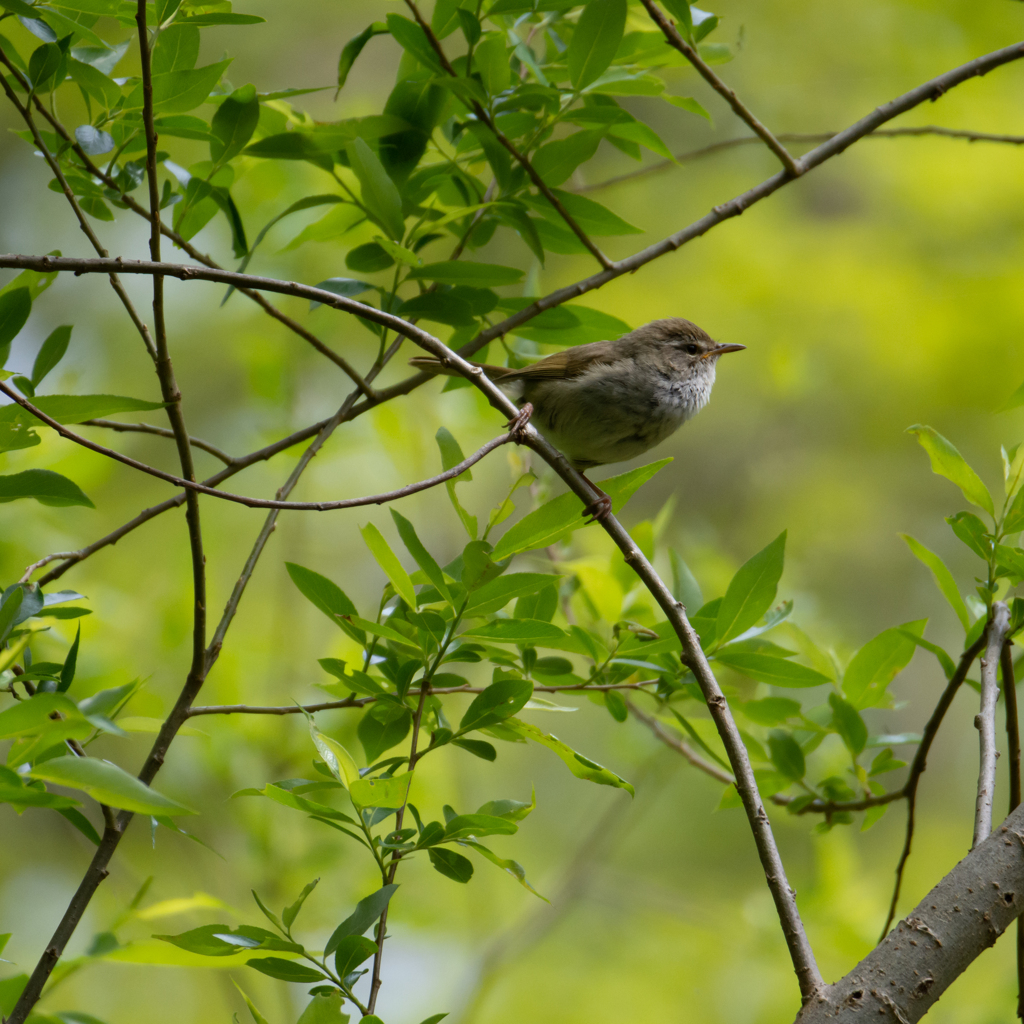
(325, 595)
(286, 970)
(339, 761)
(94, 83)
(877, 663)
(592, 217)
(786, 754)
(377, 735)
(556, 519)
(768, 669)
(31, 717)
(379, 194)
(595, 40)
(351, 952)
(346, 287)
(690, 104)
(389, 562)
(438, 307)
(582, 767)
(351, 50)
(751, 591)
(943, 577)
(514, 868)
(76, 408)
(491, 61)
(556, 161)
(421, 555)
(14, 436)
(257, 1017)
(47, 487)
(15, 306)
(848, 723)
(1014, 401)
(107, 784)
(325, 1008)
(493, 596)
(516, 631)
(477, 275)
(971, 530)
(67, 671)
(289, 914)
(451, 455)
(365, 914)
(498, 702)
(451, 864)
(177, 49)
(233, 124)
(391, 792)
(948, 666)
(368, 258)
(413, 40)
(50, 354)
(179, 91)
(47, 67)
(771, 711)
(948, 462)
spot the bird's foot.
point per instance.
(517, 424)
(600, 508)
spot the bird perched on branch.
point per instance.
(612, 400)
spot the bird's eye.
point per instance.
(692, 349)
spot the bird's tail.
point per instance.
(435, 366)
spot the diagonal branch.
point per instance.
(146, 428)
(675, 40)
(191, 486)
(747, 140)
(485, 118)
(985, 721)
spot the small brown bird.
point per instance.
(613, 400)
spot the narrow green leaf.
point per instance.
(768, 669)
(514, 868)
(380, 196)
(943, 577)
(107, 784)
(517, 631)
(234, 124)
(76, 408)
(179, 91)
(498, 701)
(50, 354)
(422, 556)
(690, 104)
(848, 723)
(351, 50)
(582, 767)
(451, 864)
(15, 306)
(413, 40)
(67, 672)
(561, 516)
(877, 663)
(389, 562)
(751, 591)
(289, 913)
(595, 40)
(786, 754)
(351, 952)
(365, 914)
(338, 760)
(287, 970)
(493, 596)
(327, 596)
(47, 487)
(948, 462)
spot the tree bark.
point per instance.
(904, 976)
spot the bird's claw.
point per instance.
(598, 510)
(517, 424)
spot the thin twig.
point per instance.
(985, 720)
(194, 487)
(676, 41)
(485, 118)
(747, 140)
(261, 455)
(917, 766)
(146, 428)
(678, 744)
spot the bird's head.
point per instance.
(690, 350)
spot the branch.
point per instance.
(678, 744)
(485, 118)
(145, 428)
(675, 40)
(917, 766)
(985, 721)
(746, 140)
(1013, 742)
(193, 487)
(957, 921)
(74, 557)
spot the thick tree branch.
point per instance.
(676, 41)
(918, 765)
(904, 976)
(985, 721)
(520, 158)
(748, 140)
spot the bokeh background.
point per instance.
(882, 290)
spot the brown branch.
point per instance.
(918, 765)
(985, 720)
(192, 486)
(146, 428)
(747, 140)
(678, 744)
(74, 557)
(485, 118)
(1013, 742)
(676, 41)
(904, 976)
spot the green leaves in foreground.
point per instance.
(948, 462)
(751, 591)
(556, 519)
(47, 487)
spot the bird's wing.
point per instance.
(570, 362)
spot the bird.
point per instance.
(609, 401)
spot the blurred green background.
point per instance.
(882, 290)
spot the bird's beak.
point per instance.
(720, 350)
